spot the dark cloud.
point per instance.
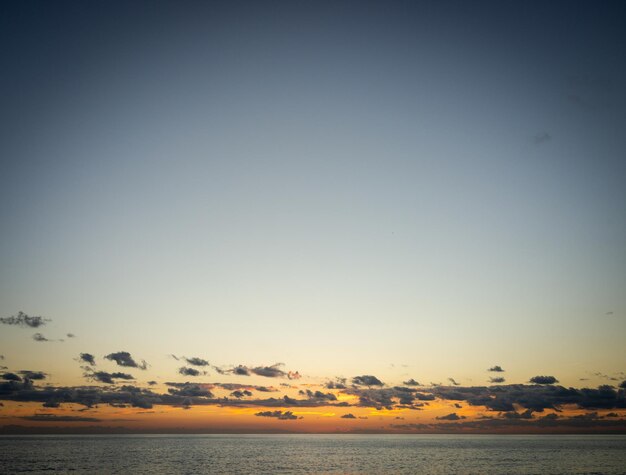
(283, 416)
(39, 337)
(622, 385)
(70, 335)
(348, 416)
(240, 394)
(57, 418)
(424, 396)
(273, 371)
(87, 396)
(108, 378)
(195, 361)
(496, 369)
(386, 398)
(338, 383)
(33, 375)
(318, 395)
(544, 380)
(236, 386)
(152, 383)
(189, 389)
(189, 371)
(497, 380)
(367, 380)
(528, 414)
(499, 399)
(11, 377)
(450, 417)
(123, 358)
(241, 371)
(453, 382)
(535, 397)
(411, 382)
(24, 320)
(87, 358)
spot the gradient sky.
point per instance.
(401, 189)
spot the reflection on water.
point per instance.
(424, 454)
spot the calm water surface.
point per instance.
(423, 454)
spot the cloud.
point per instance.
(189, 390)
(237, 386)
(544, 380)
(39, 337)
(57, 418)
(283, 416)
(241, 371)
(527, 414)
(70, 335)
(453, 382)
(123, 358)
(367, 380)
(497, 380)
(240, 394)
(33, 375)
(87, 358)
(535, 397)
(24, 320)
(273, 371)
(605, 376)
(348, 416)
(496, 369)
(319, 395)
(190, 371)
(195, 361)
(542, 138)
(386, 398)
(108, 378)
(11, 377)
(339, 383)
(411, 382)
(450, 417)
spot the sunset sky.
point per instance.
(396, 212)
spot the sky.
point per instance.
(307, 195)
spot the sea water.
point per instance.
(295, 454)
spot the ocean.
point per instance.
(296, 454)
